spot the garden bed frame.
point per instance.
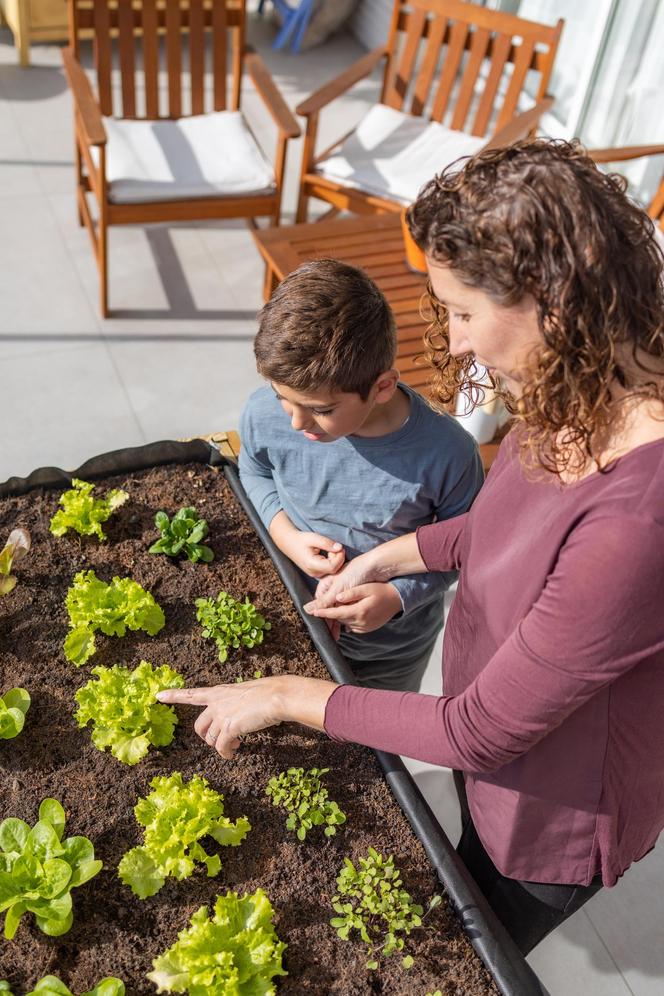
(507, 966)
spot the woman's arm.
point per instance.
(232, 711)
(436, 547)
(597, 618)
(389, 560)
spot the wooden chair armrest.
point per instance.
(520, 125)
(267, 88)
(330, 91)
(621, 153)
(84, 99)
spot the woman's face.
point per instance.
(502, 339)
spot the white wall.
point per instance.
(371, 22)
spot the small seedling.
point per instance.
(13, 707)
(370, 899)
(234, 951)
(50, 985)
(83, 513)
(230, 623)
(303, 796)
(257, 675)
(176, 815)
(39, 870)
(112, 608)
(122, 706)
(14, 550)
(182, 534)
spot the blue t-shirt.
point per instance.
(361, 491)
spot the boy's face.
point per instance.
(325, 415)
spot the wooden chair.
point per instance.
(624, 153)
(147, 156)
(43, 21)
(452, 79)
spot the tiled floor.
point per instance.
(175, 360)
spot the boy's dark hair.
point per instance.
(326, 325)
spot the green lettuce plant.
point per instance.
(111, 608)
(176, 815)
(182, 534)
(302, 794)
(38, 870)
(123, 708)
(51, 986)
(370, 899)
(13, 707)
(83, 513)
(14, 550)
(236, 951)
(230, 623)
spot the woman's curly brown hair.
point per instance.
(539, 218)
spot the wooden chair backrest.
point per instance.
(437, 50)
(141, 38)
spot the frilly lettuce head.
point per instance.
(176, 815)
(122, 706)
(236, 952)
(112, 608)
(83, 513)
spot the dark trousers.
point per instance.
(528, 910)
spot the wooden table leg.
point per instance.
(22, 35)
(269, 283)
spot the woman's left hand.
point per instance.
(365, 608)
(232, 711)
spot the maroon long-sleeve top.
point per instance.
(553, 669)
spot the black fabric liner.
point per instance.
(508, 967)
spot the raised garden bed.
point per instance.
(116, 934)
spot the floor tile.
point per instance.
(41, 294)
(573, 961)
(630, 920)
(436, 783)
(235, 257)
(180, 389)
(18, 175)
(75, 408)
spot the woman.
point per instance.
(542, 271)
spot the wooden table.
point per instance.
(375, 244)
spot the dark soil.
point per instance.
(114, 933)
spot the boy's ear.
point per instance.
(385, 385)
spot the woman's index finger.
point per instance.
(185, 696)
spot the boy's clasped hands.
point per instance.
(361, 609)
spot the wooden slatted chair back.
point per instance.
(464, 65)
(141, 40)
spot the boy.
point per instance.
(338, 456)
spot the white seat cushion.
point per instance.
(207, 155)
(393, 154)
